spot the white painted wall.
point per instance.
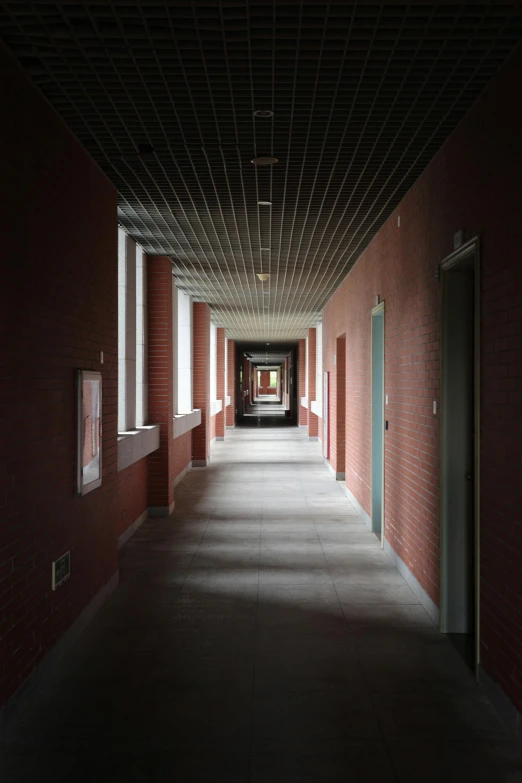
(213, 363)
(184, 398)
(126, 332)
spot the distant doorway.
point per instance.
(460, 411)
(377, 404)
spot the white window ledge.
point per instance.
(184, 422)
(136, 444)
(304, 402)
(215, 407)
(227, 401)
(317, 408)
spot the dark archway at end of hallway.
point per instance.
(257, 410)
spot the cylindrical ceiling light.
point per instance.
(264, 160)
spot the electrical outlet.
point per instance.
(61, 570)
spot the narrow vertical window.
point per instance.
(122, 328)
(141, 338)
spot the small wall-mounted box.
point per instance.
(61, 570)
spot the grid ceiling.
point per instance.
(163, 94)
(272, 353)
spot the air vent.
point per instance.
(61, 570)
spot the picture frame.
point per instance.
(89, 431)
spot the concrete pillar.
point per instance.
(220, 384)
(160, 371)
(201, 365)
(312, 379)
(231, 384)
(303, 413)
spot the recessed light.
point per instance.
(263, 113)
(265, 203)
(264, 160)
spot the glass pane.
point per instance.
(91, 430)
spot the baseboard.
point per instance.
(351, 497)
(303, 426)
(231, 427)
(161, 511)
(200, 463)
(313, 437)
(122, 540)
(183, 473)
(420, 592)
(220, 437)
(507, 711)
(331, 471)
(49, 665)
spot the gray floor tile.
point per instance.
(277, 643)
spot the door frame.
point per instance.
(470, 250)
(376, 312)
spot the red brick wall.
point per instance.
(182, 453)
(213, 422)
(303, 413)
(201, 434)
(132, 494)
(59, 310)
(311, 370)
(473, 183)
(231, 383)
(160, 379)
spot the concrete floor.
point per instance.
(260, 634)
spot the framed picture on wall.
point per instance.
(89, 453)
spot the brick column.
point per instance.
(220, 384)
(201, 433)
(303, 413)
(313, 425)
(160, 370)
(231, 383)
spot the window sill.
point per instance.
(136, 444)
(317, 408)
(184, 422)
(215, 407)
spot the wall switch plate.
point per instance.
(434, 407)
(61, 570)
(386, 399)
(399, 221)
(101, 357)
(335, 359)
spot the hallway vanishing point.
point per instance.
(260, 634)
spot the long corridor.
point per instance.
(260, 634)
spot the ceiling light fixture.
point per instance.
(265, 203)
(266, 248)
(264, 160)
(263, 113)
(263, 276)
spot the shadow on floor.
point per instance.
(276, 646)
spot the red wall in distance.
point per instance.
(473, 184)
(59, 310)
(301, 391)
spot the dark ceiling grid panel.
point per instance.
(163, 96)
